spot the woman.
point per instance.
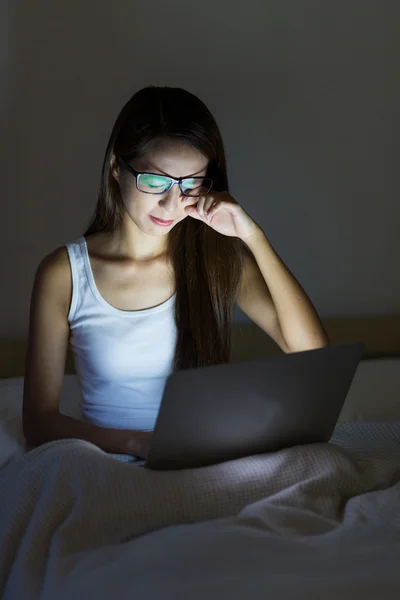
(151, 285)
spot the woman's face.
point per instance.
(174, 159)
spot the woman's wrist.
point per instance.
(254, 237)
(127, 442)
(135, 442)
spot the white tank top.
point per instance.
(122, 358)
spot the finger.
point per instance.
(208, 204)
(215, 207)
(192, 212)
(200, 206)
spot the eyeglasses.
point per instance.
(153, 183)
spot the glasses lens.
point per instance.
(196, 186)
(153, 184)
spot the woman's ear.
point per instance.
(114, 167)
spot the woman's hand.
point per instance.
(224, 214)
(138, 443)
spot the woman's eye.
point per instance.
(152, 182)
(155, 182)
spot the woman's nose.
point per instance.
(172, 199)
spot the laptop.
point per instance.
(223, 412)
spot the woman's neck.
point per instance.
(137, 245)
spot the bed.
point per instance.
(314, 521)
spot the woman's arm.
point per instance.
(269, 293)
(49, 425)
(45, 365)
(272, 297)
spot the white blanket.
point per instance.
(314, 521)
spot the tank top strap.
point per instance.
(77, 258)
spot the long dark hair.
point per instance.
(206, 264)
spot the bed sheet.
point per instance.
(314, 521)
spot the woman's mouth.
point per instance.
(161, 221)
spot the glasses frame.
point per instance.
(173, 181)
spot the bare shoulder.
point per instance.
(54, 267)
(53, 276)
